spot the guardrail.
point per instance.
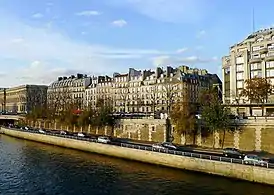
(150, 148)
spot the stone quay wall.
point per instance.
(136, 129)
(238, 171)
(254, 134)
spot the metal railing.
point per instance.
(150, 148)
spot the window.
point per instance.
(270, 47)
(255, 66)
(240, 76)
(255, 56)
(240, 67)
(270, 64)
(254, 74)
(239, 60)
(240, 84)
(256, 48)
(260, 39)
(270, 73)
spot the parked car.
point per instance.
(41, 131)
(254, 159)
(158, 146)
(80, 134)
(169, 145)
(63, 133)
(271, 160)
(233, 153)
(103, 139)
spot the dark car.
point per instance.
(233, 153)
(271, 160)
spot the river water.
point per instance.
(29, 168)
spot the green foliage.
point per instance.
(257, 90)
(215, 116)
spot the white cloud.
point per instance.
(17, 40)
(38, 15)
(166, 60)
(182, 50)
(201, 34)
(88, 13)
(175, 11)
(119, 23)
(32, 54)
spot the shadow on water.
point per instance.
(45, 169)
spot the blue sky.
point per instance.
(40, 40)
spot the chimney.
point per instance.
(79, 76)
(159, 71)
(169, 70)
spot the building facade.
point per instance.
(68, 90)
(149, 92)
(22, 99)
(253, 57)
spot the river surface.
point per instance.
(29, 168)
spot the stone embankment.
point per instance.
(238, 171)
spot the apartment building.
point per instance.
(68, 90)
(22, 99)
(252, 57)
(149, 91)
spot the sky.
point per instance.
(41, 40)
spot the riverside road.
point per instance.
(180, 151)
(30, 168)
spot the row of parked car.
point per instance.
(227, 152)
(100, 139)
(247, 158)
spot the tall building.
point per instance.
(22, 99)
(252, 57)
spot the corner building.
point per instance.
(253, 57)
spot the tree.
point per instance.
(257, 91)
(169, 93)
(36, 100)
(214, 114)
(183, 117)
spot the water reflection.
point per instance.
(34, 168)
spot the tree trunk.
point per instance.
(213, 138)
(194, 138)
(223, 141)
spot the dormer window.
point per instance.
(260, 39)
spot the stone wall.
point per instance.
(137, 129)
(254, 135)
(239, 171)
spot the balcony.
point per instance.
(269, 57)
(263, 50)
(255, 60)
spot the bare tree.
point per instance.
(170, 92)
(123, 98)
(59, 102)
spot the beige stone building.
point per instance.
(22, 99)
(149, 92)
(68, 90)
(252, 57)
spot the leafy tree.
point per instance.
(214, 114)
(183, 117)
(257, 90)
